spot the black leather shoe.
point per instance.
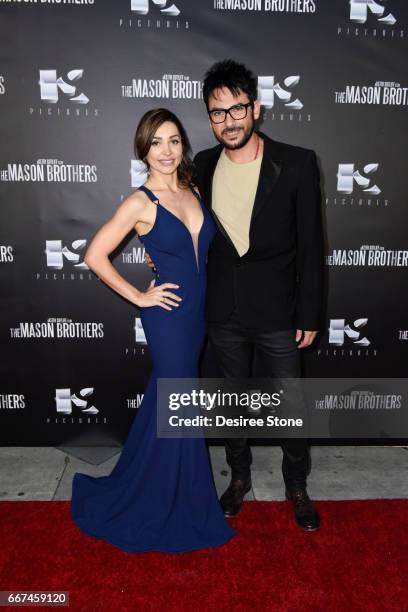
(231, 500)
(306, 515)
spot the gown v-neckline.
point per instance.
(158, 203)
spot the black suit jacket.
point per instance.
(277, 283)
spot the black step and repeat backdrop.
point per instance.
(75, 78)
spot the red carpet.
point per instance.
(358, 560)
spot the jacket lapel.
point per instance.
(271, 167)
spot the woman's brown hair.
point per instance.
(145, 131)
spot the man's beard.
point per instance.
(241, 143)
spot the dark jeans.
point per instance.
(235, 347)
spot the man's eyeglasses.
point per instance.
(238, 111)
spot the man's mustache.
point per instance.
(231, 130)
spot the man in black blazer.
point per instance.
(265, 264)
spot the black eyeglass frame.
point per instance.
(228, 110)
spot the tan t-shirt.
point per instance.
(233, 195)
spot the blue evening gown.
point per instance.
(160, 496)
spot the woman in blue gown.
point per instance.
(160, 496)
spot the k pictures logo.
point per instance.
(361, 9)
(153, 14)
(347, 176)
(347, 341)
(65, 263)
(51, 85)
(338, 331)
(62, 95)
(269, 90)
(64, 401)
(369, 19)
(357, 187)
(56, 254)
(142, 7)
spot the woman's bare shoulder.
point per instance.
(138, 197)
(133, 208)
(136, 201)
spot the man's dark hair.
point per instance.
(236, 77)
